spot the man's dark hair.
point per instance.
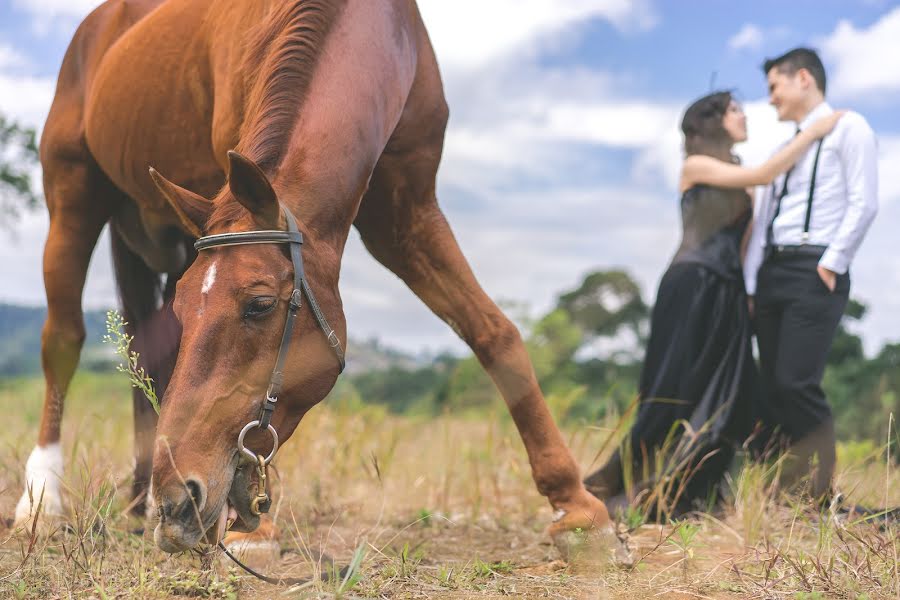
(799, 58)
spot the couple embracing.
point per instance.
(781, 272)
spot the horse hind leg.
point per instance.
(147, 310)
(79, 207)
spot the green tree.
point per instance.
(863, 392)
(605, 303)
(18, 158)
(604, 306)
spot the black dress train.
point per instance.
(698, 367)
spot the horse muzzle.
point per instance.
(188, 518)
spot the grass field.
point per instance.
(436, 508)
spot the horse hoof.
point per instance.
(49, 516)
(255, 552)
(597, 547)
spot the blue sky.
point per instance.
(563, 149)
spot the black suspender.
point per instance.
(812, 189)
(770, 235)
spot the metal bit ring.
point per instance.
(252, 455)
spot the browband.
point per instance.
(263, 236)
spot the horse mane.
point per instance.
(281, 58)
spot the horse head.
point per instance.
(236, 303)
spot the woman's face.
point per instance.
(735, 122)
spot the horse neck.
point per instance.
(318, 146)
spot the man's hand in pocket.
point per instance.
(828, 277)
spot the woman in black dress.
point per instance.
(699, 379)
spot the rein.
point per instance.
(341, 573)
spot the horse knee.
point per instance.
(61, 339)
(64, 332)
(496, 342)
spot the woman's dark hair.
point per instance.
(704, 132)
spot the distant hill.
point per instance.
(20, 339)
(20, 346)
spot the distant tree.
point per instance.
(847, 346)
(18, 158)
(863, 392)
(553, 343)
(605, 303)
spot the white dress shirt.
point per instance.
(844, 203)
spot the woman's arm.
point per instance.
(699, 168)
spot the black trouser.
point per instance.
(796, 317)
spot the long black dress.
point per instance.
(698, 367)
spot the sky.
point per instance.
(563, 149)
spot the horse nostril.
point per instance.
(195, 490)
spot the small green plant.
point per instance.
(634, 517)
(20, 589)
(683, 538)
(409, 560)
(424, 517)
(202, 584)
(353, 573)
(445, 577)
(483, 569)
(121, 341)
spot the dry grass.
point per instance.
(437, 508)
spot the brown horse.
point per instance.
(336, 109)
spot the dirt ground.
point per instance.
(430, 508)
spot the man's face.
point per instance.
(787, 92)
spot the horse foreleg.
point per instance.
(413, 239)
(76, 219)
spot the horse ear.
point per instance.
(192, 209)
(252, 189)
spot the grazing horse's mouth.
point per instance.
(177, 535)
(240, 496)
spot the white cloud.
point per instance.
(21, 255)
(748, 37)
(526, 246)
(26, 98)
(60, 15)
(542, 140)
(875, 273)
(764, 132)
(864, 61)
(889, 174)
(10, 58)
(468, 34)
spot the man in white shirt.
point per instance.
(806, 232)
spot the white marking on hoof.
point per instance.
(150, 509)
(42, 475)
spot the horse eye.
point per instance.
(259, 306)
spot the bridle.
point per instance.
(294, 239)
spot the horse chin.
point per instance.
(239, 499)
